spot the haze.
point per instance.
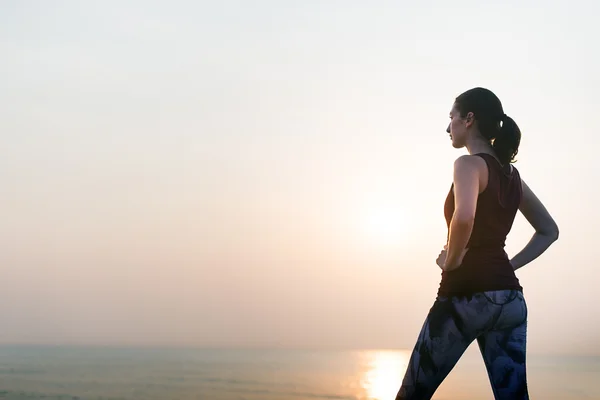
(272, 173)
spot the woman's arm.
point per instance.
(546, 230)
(466, 192)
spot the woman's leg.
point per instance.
(504, 348)
(504, 355)
(443, 339)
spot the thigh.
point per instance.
(504, 352)
(443, 339)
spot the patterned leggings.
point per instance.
(497, 319)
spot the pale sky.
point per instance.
(272, 173)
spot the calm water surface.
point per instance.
(162, 374)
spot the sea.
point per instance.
(128, 373)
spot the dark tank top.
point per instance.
(486, 265)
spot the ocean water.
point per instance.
(70, 373)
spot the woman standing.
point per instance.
(480, 297)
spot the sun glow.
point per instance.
(384, 375)
(387, 226)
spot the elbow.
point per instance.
(552, 233)
(463, 219)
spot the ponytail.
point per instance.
(507, 140)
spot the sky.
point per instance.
(272, 173)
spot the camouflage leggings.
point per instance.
(497, 319)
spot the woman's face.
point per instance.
(458, 127)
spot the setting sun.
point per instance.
(386, 225)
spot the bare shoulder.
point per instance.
(469, 164)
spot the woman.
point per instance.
(480, 297)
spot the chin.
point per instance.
(456, 145)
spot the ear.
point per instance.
(469, 119)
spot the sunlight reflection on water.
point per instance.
(384, 373)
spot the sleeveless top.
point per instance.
(486, 265)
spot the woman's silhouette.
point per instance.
(480, 297)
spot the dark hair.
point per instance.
(501, 130)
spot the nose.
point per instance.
(448, 129)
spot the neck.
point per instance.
(477, 144)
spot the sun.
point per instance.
(386, 225)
